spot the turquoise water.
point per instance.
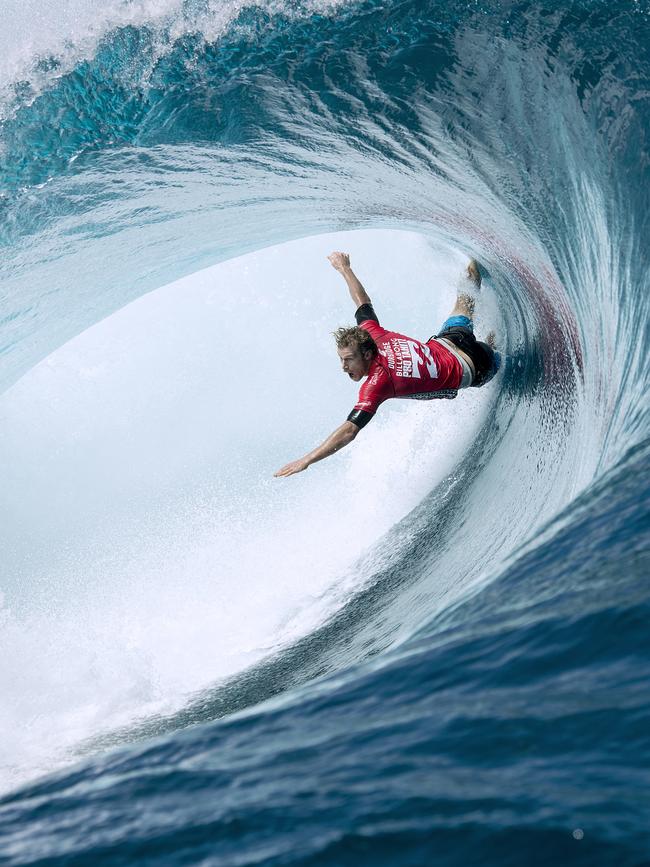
(431, 649)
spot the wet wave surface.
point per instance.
(463, 669)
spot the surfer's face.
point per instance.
(354, 363)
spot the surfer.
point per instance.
(394, 365)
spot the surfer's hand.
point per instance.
(294, 467)
(339, 260)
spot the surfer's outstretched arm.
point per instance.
(341, 261)
(334, 442)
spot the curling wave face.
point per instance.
(166, 138)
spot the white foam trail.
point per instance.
(149, 550)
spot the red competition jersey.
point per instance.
(405, 367)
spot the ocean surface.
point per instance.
(432, 648)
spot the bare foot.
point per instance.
(473, 273)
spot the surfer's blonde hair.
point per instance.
(355, 336)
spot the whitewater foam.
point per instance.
(40, 42)
(151, 553)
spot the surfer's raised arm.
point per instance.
(341, 261)
(335, 441)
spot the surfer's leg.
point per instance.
(464, 306)
(468, 287)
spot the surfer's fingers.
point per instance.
(288, 470)
(338, 259)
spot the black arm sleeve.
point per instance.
(366, 311)
(359, 416)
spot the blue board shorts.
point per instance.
(459, 330)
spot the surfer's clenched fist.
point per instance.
(339, 260)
